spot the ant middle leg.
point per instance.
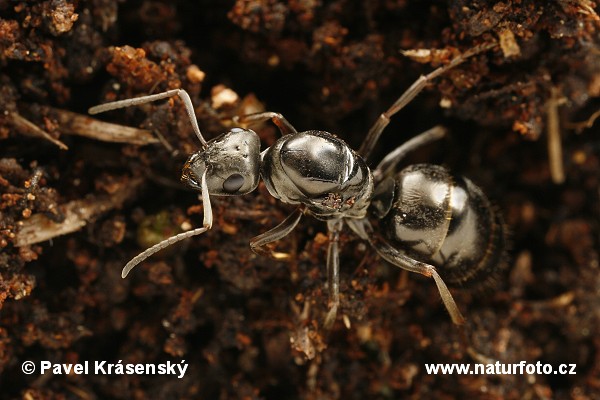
(258, 244)
(333, 271)
(384, 119)
(393, 158)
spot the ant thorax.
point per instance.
(320, 171)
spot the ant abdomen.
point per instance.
(447, 221)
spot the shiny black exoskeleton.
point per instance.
(445, 220)
(321, 172)
(425, 218)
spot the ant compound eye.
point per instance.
(233, 183)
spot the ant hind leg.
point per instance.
(364, 229)
(384, 119)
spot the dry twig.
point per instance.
(78, 213)
(77, 124)
(30, 129)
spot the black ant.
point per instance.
(426, 215)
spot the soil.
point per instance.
(82, 195)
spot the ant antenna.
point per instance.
(206, 225)
(189, 107)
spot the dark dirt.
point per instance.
(250, 327)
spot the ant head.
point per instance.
(231, 162)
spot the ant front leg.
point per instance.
(384, 119)
(259, 243)
(333, 271)
(279, 120)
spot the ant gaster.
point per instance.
(426, 216)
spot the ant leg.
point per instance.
(333, 271)
(206, 225)
(384, 119)
(183, 95)
(401, 260)
(258, 243)
(284, 126)
(390, 161)
(365, 231)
